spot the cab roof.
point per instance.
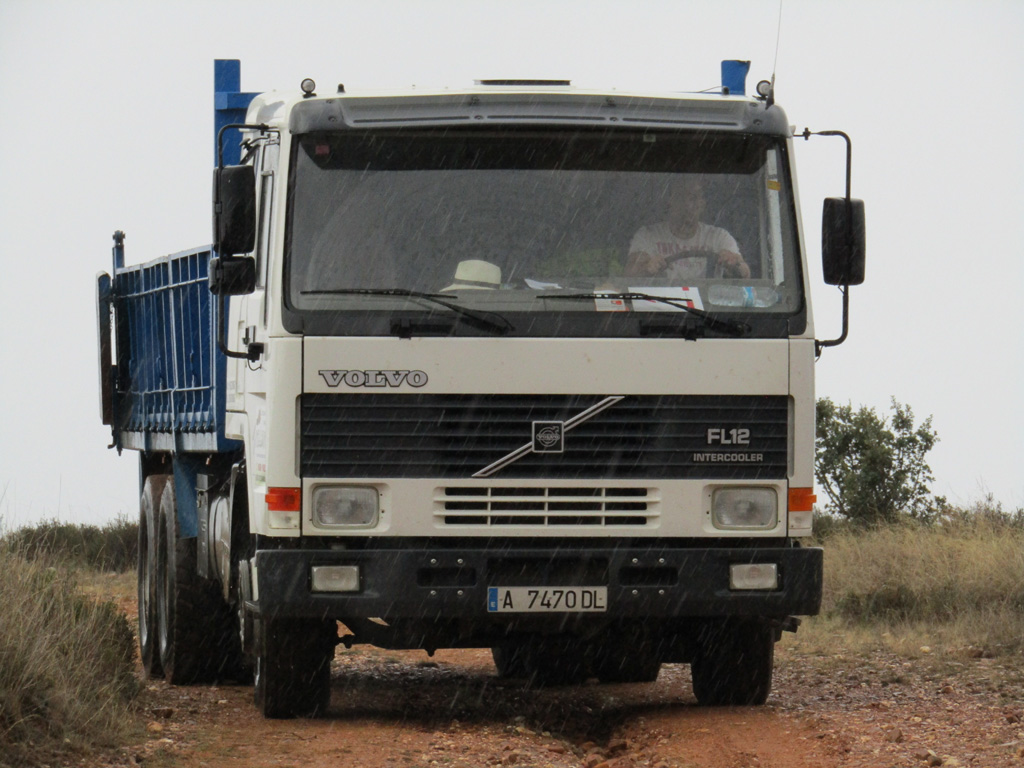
(520, 103)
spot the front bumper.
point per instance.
(434, 584)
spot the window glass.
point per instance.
(505, 219)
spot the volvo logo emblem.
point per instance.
(548, 437)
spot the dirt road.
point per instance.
(395, 709)
(830, 706)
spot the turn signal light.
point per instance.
(284, 499)
(801, 499)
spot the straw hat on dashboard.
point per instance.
(475, 274)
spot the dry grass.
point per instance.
(67, 669)
(110, 547)
(936, 573)
(955, 588)
(935, 595)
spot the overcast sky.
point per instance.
(109, 125)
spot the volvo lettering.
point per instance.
(374, 378)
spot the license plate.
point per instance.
(547, 599)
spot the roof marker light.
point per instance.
(308, 87)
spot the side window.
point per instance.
(774, 238)
(268, 166)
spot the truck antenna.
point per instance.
(775, 61)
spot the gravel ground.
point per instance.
(405, 709)
(829, 707)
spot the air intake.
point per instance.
(525, 83)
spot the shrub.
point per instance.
(873, 468)
(987, 514)
(113, 547)
(67, 668)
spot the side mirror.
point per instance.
(842, 241)
(234, 209)
(232, 275)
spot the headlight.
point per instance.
(351, 507)
(744, 508)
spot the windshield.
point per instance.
(552, 231)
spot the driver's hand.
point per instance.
(645, 264)
(733, 265)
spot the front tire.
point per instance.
(293, 666)
(734, 665)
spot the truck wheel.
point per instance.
(149, 504)
(733, 665)
(554, 661)
(510, 660)
(620, 666)
(196, 628)
(293, 666)
(245, 625)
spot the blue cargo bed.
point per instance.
(163, 388)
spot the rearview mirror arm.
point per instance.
(262, 127)
(819, 344)
(252, 354)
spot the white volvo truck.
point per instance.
(516, 366)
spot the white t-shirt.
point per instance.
(659, 240)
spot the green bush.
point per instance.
(112, 547)
(67, 664)
(871, 467)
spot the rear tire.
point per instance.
(563, 669)
(149, 503)
(510, 660)
(293, 666)
(198, 640)
(551, 661)
(619, 666)
(734, 665)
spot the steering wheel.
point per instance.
(710, 259)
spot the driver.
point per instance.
(683, 248)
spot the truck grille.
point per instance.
(484, 506)
(456, 436)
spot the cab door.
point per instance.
(248, 314)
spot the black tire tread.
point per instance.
(624, 667)
(201, 645)
(734, 665)
(293, 667)
(149, 514)
(509, 661)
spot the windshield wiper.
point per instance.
(723, 325)
(490, 321)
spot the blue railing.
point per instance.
(169, 391)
